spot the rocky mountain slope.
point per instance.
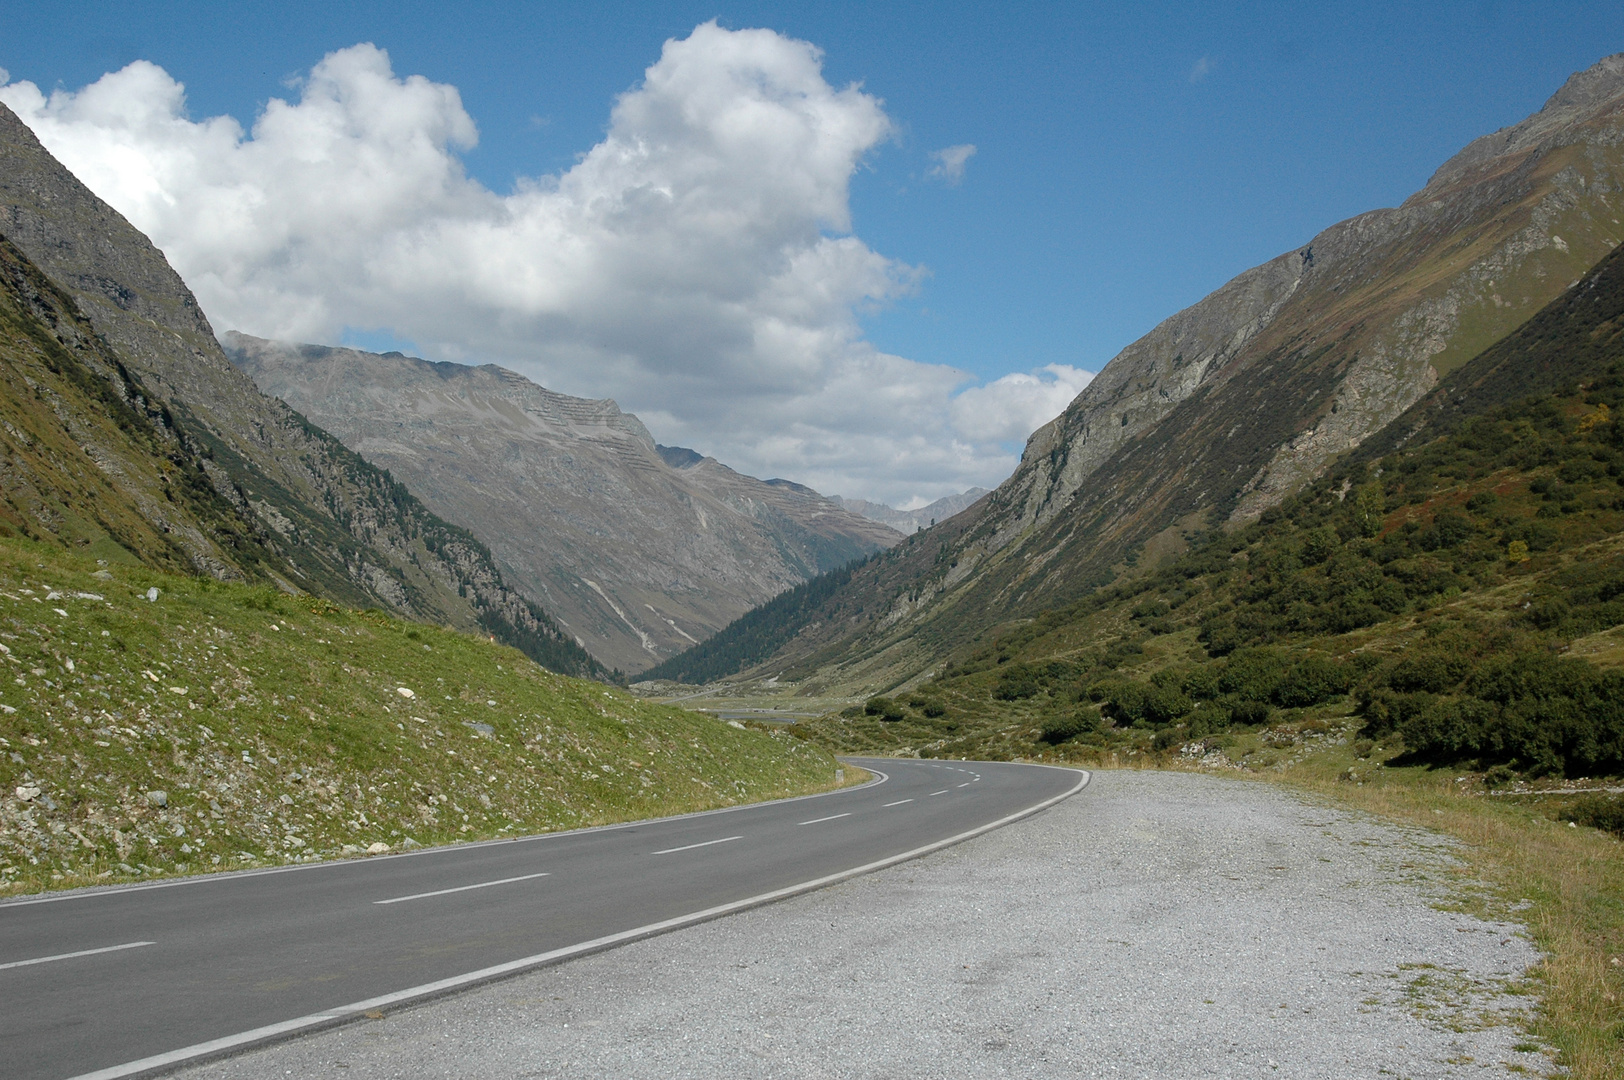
(288, 501)
(908, 522)
(639, 550)
(1229, 406)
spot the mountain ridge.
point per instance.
(639, 550)
(1228, 406)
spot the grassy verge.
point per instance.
(218, 726)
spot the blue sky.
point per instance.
(1129, 158)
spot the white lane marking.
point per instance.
(965, 784)
(71, 955)
(459, 888)
(899, 802)
(690, 847)
(831, 817)
(355, 1010)
(941, 792)
(91, 892)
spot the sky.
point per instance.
(865, 247)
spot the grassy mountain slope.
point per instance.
(282, 728)
(335, 525)
(1461, 597)
(1228, 407)
(89, 461)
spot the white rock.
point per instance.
(158, 798)
(404, 692)
(377, 848)
(152, 593)
(28, 793)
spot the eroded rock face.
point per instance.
(639, 550)
(1381, 304)
(1229, 406)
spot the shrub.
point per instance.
(1251, 674)
(1061, 729)
(1311, 681)
(1597, 811)
(1249, 713)
(1015, 684)
(1430, 671)
(883, 707)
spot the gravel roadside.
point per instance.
(1155, 925)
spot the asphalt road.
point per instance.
(132, 980)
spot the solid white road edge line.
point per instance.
(831, 817)
(460, 888)
(690, 847)
(71, 955)
(344, 1013)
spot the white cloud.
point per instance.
(1201, 69)
(697, 264)
(950, 162)
(1011, 408)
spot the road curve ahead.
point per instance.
(135, 980)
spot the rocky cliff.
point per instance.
(639, 550)
(314, 516)
(1232, 404)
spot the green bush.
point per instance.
(883, 707)
(1312, 681)
(1083, 721)
(1249, 713)
(1597, 811)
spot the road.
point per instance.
(134, 980)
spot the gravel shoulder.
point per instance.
(1156, 924)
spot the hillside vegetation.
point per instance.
(154, 724)
(1230, 406)
(1461, 598)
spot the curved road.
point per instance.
(135, 980)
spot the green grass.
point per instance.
(285, 728)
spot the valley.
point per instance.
(1352, 526)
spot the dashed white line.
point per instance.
(899, 802)
(459, 888)
(831, 817)
(941, 792)
(690, 847)
(71, 955)
(965, 784)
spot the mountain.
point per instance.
(1458, 593)
(1229, 406)
(638, 550)
(908, 522)
(271, 496)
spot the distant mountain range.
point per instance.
(911, 521)
(131, 435)
(1230, 406)
(638, 550)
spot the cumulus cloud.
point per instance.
(697, 264)
(950, 162)
(1011, 408)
